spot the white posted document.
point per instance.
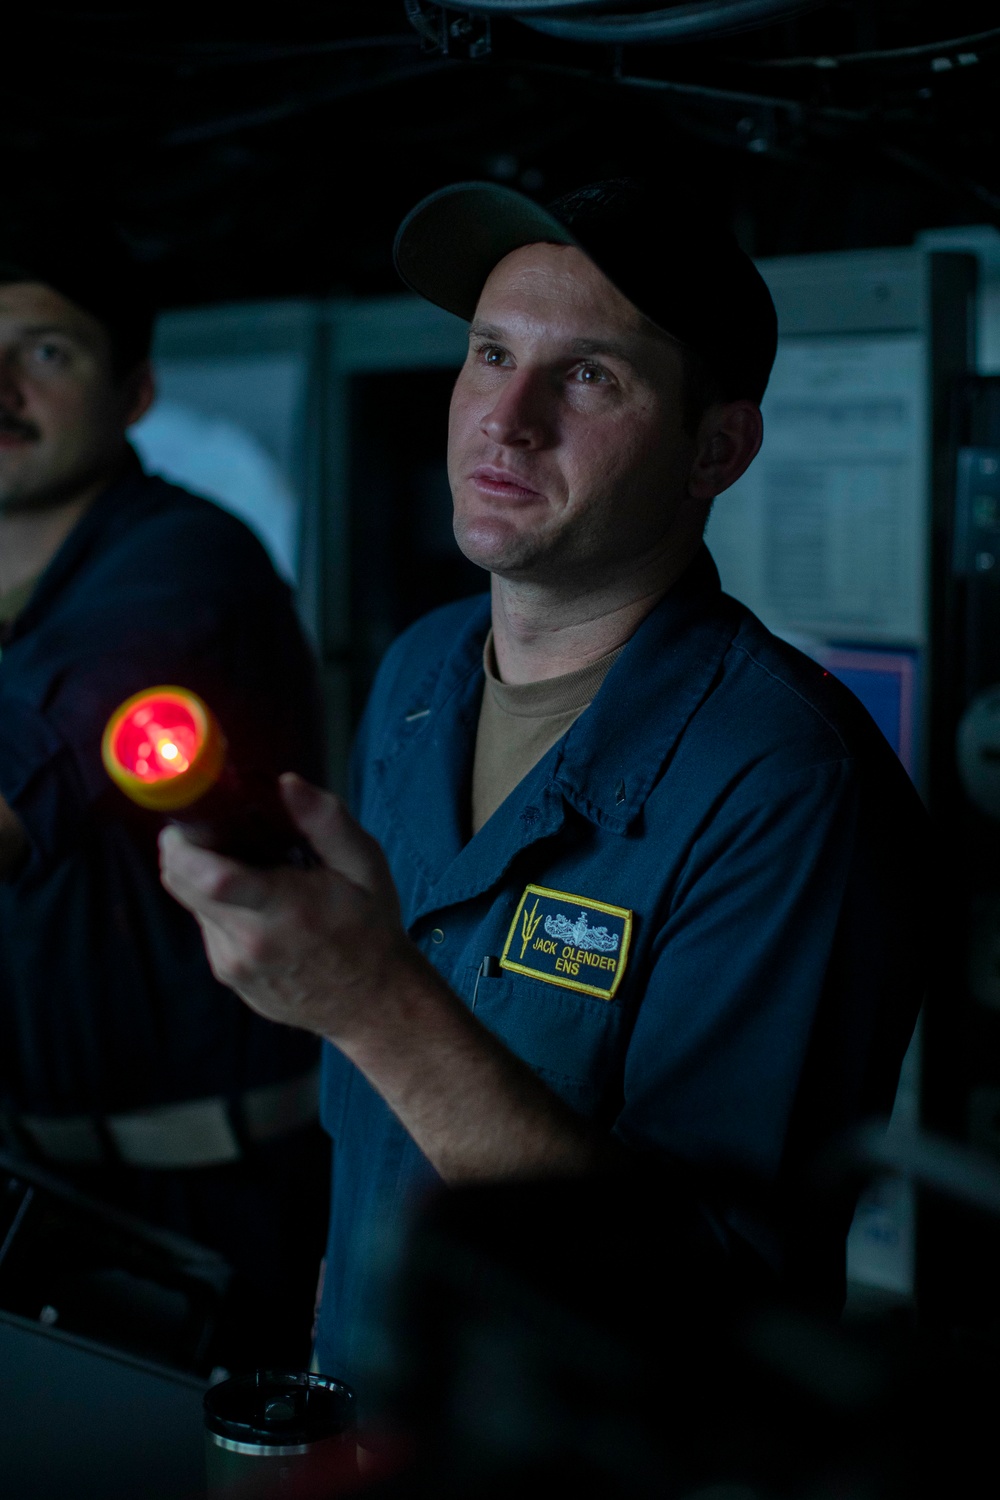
(826, 533)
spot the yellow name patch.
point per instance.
(568, 940)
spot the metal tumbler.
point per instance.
(279, 1435)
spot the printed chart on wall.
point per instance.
(826, 532)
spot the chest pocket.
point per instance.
(571, 1041)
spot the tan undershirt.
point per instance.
(520, 721)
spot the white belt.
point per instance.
(197, 1133)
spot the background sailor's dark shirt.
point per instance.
(107, 1003)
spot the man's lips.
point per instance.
(503, 484)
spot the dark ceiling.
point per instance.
(271, 157)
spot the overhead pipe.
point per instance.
(695, 22)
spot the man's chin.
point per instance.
(15, 495)
(33, 484)
(505, 562)
(500, 548)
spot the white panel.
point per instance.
(263, 392)
(227, 427)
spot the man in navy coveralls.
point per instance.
(630, 878)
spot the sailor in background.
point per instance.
(125, 1066)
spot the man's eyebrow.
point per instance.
(581, 348)
(38, 330)
(603, 346)
(485, 331)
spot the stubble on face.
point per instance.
(567, 450)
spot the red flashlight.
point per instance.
(165, 749)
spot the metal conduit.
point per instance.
(678, 23)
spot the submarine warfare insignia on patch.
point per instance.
(568, 940)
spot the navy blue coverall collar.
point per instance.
(603, 768)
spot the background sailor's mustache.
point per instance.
(10, 423)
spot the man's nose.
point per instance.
(522, 415)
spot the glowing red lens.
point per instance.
(158, 739)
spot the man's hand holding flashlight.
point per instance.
(313, 948)
(324, 949)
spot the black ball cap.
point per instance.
(682, 270)
(85, 259)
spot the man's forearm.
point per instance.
(475, 1110)
(13, 841)
(324, 949)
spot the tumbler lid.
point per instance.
(279, 1408)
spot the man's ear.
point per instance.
(138, 391)
(728, 439)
